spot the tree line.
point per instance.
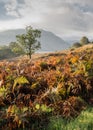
(83, 41)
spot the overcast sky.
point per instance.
(65, 18)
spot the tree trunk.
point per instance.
(30, 56)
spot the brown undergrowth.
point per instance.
(56, 84)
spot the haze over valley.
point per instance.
(49, 41)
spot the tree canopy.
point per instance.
(76, 45)
(16, 48)
(84, 40)
(29, 42)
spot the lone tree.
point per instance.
(28, 42)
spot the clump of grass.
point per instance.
(83, 122)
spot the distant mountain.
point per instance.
(10, 35)
(49, 41)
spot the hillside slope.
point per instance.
(55, 84)
(49, 41)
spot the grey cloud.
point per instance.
(20, 1)
(3, 12)
(66, 17)
(59, 16)
(62, 17)
(81, 2)
(9, 9)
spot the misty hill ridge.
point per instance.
(49, 41)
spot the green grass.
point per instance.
(83, 122)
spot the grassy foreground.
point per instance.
(83, 122)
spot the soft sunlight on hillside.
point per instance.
(54, 87)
